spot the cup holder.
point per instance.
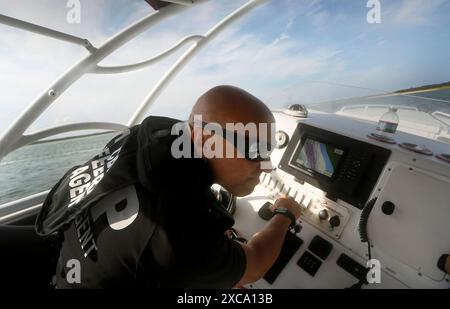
(416, 148)
(381, 138)
(444, 157)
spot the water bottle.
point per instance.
(387, 125)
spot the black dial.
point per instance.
(388, 208)
(335, 221)
(282, 139)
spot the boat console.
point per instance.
(353, 189)
(375, 215)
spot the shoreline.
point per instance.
(428, 88)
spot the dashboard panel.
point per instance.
(327, 252)
(342, 167)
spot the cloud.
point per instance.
(313, 3)
(320, 19)
(285, 33)
(30, 63)
(53, 14)
(250, 58)
(317, 14)
(262, 62)
(417, 11)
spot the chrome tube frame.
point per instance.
(14, 138)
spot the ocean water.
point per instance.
(37, 167)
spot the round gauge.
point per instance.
(282, 139)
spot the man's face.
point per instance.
(237, 174)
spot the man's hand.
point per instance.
(290, 204)
(263, 248)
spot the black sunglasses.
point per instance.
(254, 150)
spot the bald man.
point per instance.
(230, 105)
(142, 214)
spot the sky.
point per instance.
(284, 51)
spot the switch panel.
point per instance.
(324, 214)
(320, 247)
(327, 216)
(306, 201)
(309, 263)
(352, 267)
(290, 246)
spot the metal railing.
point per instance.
(14, 138)
(376, 106)
(10, 211)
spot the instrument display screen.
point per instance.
(318, 157)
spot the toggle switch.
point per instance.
(299, 198)
(306, 201)
(287, 190)
(273, 185)
(293, 194)
(267, 179)
(262, 177)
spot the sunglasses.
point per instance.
(254, 150)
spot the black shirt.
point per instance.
(165, 233)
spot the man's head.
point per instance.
(228, 106)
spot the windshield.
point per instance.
(346, 57)
(422, 111)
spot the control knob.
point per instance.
(335, 221)
(323, 214)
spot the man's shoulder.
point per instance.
(156, 123)
(156, 133)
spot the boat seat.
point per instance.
(26, 259)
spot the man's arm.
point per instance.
(262, 250)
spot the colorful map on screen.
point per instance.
(319, 157)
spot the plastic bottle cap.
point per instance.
(393, 109)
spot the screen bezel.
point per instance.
(310, 171)
(356, 191)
